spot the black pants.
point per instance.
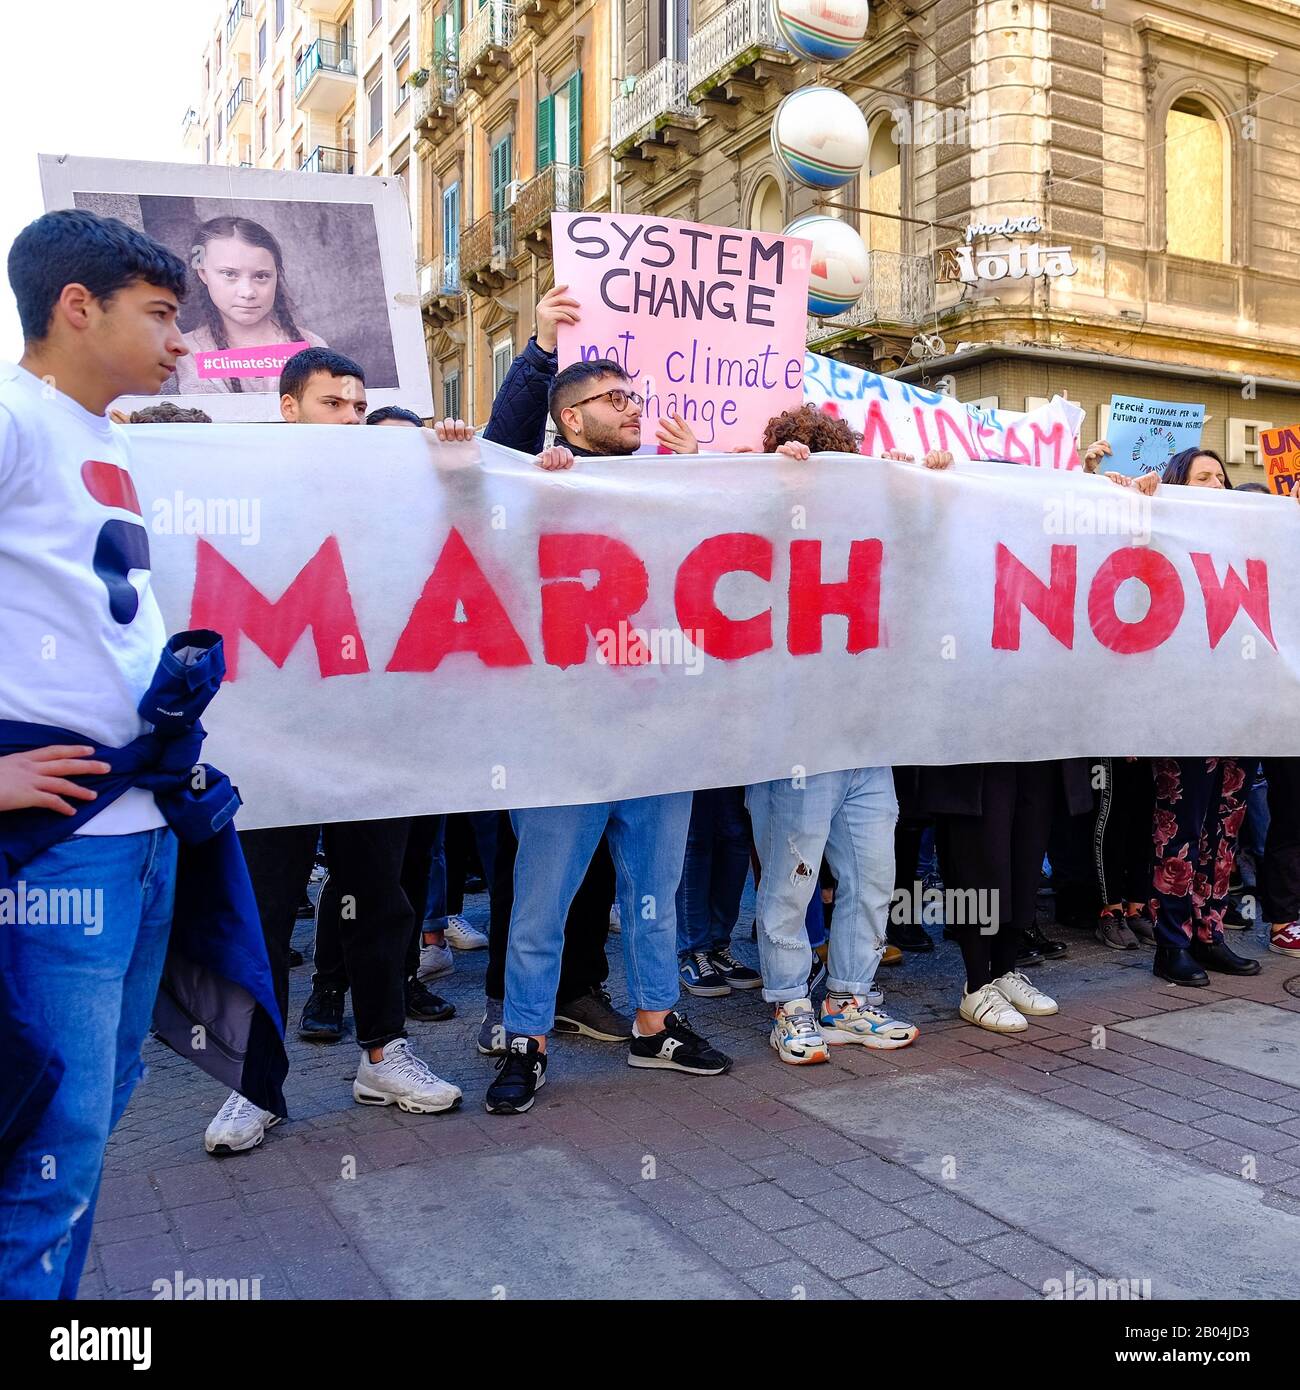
(1279, 880)
(374, 915)
(583, 964)
(999, 852)
(908, 833)
(1122, 837)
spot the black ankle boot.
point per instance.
(1217, 955)
(1177, 965)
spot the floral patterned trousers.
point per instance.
(1200, 805)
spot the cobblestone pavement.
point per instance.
(1143, 1133)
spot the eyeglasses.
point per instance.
(617, 397)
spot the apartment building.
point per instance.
(318, 87)
(511, 124)
(1156, 140)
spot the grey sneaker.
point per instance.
(1112, 931)
(594, 1016)
(492, 1032)
(1142, 928)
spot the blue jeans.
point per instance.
(647, 840)
(716, 867)
(95, 991)
(849, 817)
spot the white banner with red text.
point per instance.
(416, 628)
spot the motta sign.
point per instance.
(1016, 262)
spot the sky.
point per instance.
(111, 78)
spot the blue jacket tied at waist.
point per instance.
(216, 1002)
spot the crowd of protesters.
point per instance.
(1143, 852)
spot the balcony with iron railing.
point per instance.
(486, 250)
(442, 296)
(325, 79)
(657, 98)
(435, 101)
(730, 43)
(899, 293)
(240, 105)
(328, 159)
(485, 55)
(558, 188)
(235, 16)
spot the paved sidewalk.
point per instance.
(1143, 1133)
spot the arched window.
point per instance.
(767, 208)
(1197, 197)
(881, 187)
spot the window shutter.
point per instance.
(545, 132)
(575, 120)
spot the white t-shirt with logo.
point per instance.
(80, 630)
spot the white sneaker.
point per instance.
(989, 1008)
(854, 1020)
(795, 1034)
(237, 1126)
(400, 1078)
(434, 961)
(615, 919)
(1019, 992)
(463, 937)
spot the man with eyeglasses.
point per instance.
(595, 412)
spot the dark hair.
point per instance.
(255, 235)
(1178, 467)
(811, 425)
(569, 384)
(299, 369)
(75, 247)
(1250, 487)
(165, 413)
(393, 412)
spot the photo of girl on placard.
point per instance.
(241, 290)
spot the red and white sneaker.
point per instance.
(1285, 939)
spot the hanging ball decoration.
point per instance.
(820, 137)
(839, 266)
(823, 30)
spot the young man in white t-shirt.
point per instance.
(80, 638)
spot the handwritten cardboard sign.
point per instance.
(1280, 449)
(708, 322)
(1144, 435)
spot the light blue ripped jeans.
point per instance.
(849, 817)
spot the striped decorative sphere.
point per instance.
(823, 30)
(820, 137)
(839, 266)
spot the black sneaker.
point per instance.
(322, 1016)
(736, 974)
(521, 1073)
(678, 1048)
(698, 975)
(426, 1006)
(593, 1015)
(1047, 948)
(908, 936)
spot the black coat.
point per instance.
(959, 790)
(520, 411)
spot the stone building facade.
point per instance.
(1158, 142)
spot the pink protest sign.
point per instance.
(246, 362)
(708, 322)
